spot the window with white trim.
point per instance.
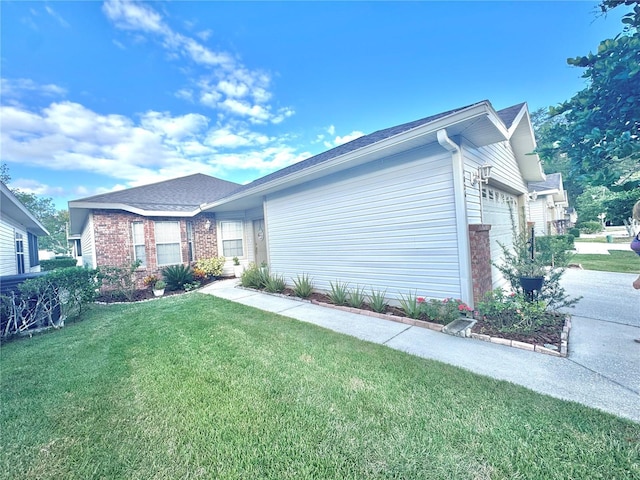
(139, 251)
(232, 234)
(168, 249)
(20, 252)
(190, 241)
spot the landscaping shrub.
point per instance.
(590, 227)
(118, 282)
(255, 276)
(575, 232)
(446, 310)
(555, 249)
(48, 301)
(513, 312)
(356, 297)
(177, 276)
(378, 301)
(210, 267)
(274, 283)
(411, 305)
(516, 262)
(302, 286)
(58, 262)
(339, 293)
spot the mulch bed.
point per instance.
(147, 294)
(548, 334)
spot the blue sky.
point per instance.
(98, 96)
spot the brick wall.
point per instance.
(480, 260)
(114, 239)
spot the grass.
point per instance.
(197, 387)
(617, 261)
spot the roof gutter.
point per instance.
(464, 249)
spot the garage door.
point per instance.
(498, 209)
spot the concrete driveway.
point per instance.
(605, 323)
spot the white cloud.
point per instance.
(204, 35)
(67, 136)
(133, 16)
(331, 130)
(21, 87)
(347, 138)
(226, 84)
(57, 16)
(338, 140)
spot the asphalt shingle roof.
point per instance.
(352, 146)
(187, 193)
(508, 115)
(182, 194)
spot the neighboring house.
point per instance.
(19, 232)
(547, 206)
(160, 224)
(400, 210)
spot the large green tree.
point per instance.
(598, 129)
(44, 209)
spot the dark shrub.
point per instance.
(590, 227)
(58, 262)
(575, 232)
(177, 276)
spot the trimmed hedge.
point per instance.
(56, 263)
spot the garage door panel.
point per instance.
(499, 211)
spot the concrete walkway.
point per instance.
(600, 248)
(602, 370)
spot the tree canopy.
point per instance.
(598, 129)
(44, 209)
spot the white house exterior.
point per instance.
(19, 232)
(395, 210)
(400, 210)
(547, 205)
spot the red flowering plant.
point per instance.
(434, 310)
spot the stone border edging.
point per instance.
(564, 339)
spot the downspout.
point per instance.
(462, 224)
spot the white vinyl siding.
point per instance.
(168, 249)
(7, 249)
(538, 215)
(232, 234)
(88, 244)
(389, 225)
(504, 172)
(9, 232)
(139, 250)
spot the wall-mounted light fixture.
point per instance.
(207, 225)
(533, 195)
(481, 176)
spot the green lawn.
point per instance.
(198, 387)
(617, 261)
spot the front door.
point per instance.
(260, 241)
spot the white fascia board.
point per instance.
(129, 208)
(481, 109)
(20, 212)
